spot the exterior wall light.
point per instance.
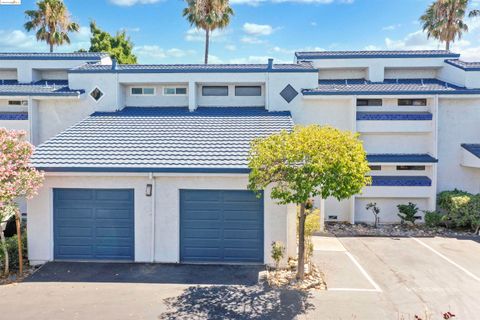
(148, 190)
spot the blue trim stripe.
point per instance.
(90, 56)
(401, 181)
(400, 158)
(473, 148)
(463, 65)
(394, 116)
(145, 170)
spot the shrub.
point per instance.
(278, 251)
(433, 218)
(408, 212)
(12, 249)
(375, 210)
(448, 200)
(462, 209)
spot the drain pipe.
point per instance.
(154, 196)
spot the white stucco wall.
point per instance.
(279, 219)
(388, 208)
(8, 74)
(397, 142)
(411, 73)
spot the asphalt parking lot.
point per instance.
(368, 278)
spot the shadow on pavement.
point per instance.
(237, 302)
(147, 273)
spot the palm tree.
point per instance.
(52, 22)
(208, 15)
(443, 20)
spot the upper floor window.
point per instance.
(369, 102)
(248, 91)
(375, 168)
(412, 102)
(411, 168)
(215, 91)
(139, 91)
(17, 102)
(174, 91)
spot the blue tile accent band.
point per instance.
(394, 116)
(464, 65)
(473, 148)
(401, 181)
(13, 115)
(400, 158)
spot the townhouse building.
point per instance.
(149, 162)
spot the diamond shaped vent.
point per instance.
(289, 93)
(96, 94)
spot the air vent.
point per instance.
(96, 94)
(332, 217)
(289, 93)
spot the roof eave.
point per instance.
(144, 169)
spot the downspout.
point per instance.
(154, 193)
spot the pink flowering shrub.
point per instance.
(17, 177)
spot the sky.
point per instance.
(260, 29)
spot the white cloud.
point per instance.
(257, 29)
(214, 59)
(313, 24)
(257, 59)
(154, 53)
(194, 34)
(251, 40)
(231, 47)
(257, 2)
(391, 27)
(128, 3)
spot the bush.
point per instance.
(462, 209)
(433, 219)
(12, 249)
(448, 200)
(278, 251)
(408, 212)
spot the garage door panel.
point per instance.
(90, 225)
(229, 229)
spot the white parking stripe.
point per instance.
(447, 259)
(365, 274)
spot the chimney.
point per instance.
(114, 64)
(270, 64)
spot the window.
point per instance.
(17, 102)
(172, 91)
(142, 91)
(412, 102)
(410, 168)
(96, 94)
(248, 91)
(375, 168)
(369, 102)
(215, 91)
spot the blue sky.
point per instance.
(259, 29)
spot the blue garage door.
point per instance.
(221, 226)
(93, 224)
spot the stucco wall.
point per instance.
(279, 219)
(397, 143)
(388, 208)
(409, 73)
(459, 122)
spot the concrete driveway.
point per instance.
(368, 278)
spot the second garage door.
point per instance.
(221, 226)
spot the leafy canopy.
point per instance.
(17, 177)
(52, 21)
(119, 46)
(208, 14)
(307, 162)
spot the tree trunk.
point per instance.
(5, 253)
(301, 243)
(207, 44)
(51, 47)
(447, 45)
(19, 242)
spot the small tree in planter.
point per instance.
(278, 251)
(372, 206)
(17, 179)
(307, 162)
(408, 212)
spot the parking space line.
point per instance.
(447, 259)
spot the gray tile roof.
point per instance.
(193, 68)
(165, 139)
(375, 54)
(473, 148)
(400, 158)
(39, 88)
(464, 65)
(387, 87)
(52, 56)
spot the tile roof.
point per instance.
(400, 158)
(387, 87)
(401, 181)
(52, 56)
(13, 115)
(464, 65)
(473, 148)
(394, 116)
(193, 68)
(375, 54)
(163, 139)
(39, 88)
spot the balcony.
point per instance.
(14, 120)
(393, 122)
(399, 187)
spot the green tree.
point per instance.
(307, 162)
(208, 15)
(444, 20)
(119, 46)
(52, 21)
(17, 180)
